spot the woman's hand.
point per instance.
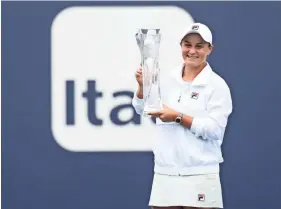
(139, 77)
(140, 82)
(166, 115)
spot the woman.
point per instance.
(190, 128)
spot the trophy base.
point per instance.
(149, 109)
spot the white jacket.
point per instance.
(182, 151)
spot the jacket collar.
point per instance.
(202, 79)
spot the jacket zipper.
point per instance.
(181, 94)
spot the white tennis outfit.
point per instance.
(187, 160)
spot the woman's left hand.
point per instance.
(166, 115)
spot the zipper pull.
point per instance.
(179, 99)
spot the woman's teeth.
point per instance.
(191, 56)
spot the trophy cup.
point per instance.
(148, 41)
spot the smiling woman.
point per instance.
(190, 128)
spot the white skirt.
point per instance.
(203, 191)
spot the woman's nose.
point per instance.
(192, 50)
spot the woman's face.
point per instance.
(195, 50)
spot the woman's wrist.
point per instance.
(140, 92)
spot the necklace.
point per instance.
(186, 84)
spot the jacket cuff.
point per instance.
(137, 100)
(196, 127)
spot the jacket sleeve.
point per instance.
(138, 104)
(219, 107)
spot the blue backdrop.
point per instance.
(38, 174)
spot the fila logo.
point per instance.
(195, 27)
(201, 197)
(194, 95)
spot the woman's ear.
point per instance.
(211, 46)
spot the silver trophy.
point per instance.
(148, 41)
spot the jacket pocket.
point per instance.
(200, 152)
(164, 145)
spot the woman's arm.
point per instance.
(137, 101)
(213, 126)
(210, 127)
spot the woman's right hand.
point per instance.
(139, 77)
(140, 82)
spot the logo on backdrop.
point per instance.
(94, 58)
